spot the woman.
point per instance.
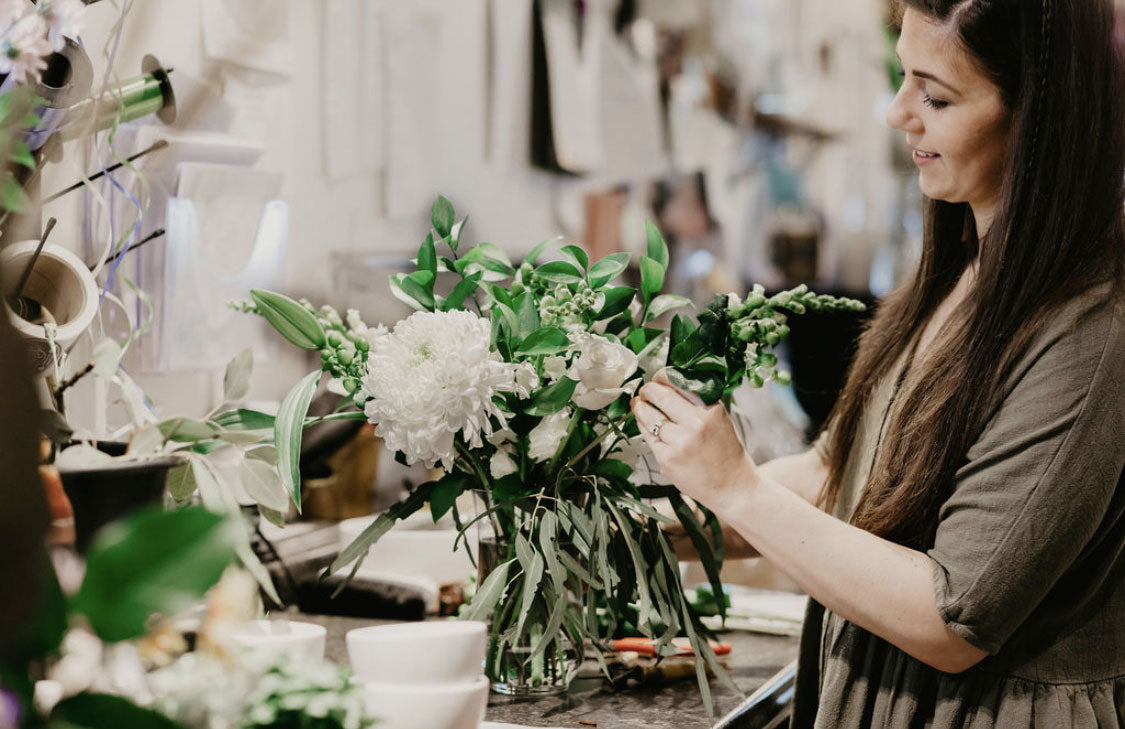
(960, 525)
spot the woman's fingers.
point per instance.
(648, 417)
(669, 401)
(662, 377)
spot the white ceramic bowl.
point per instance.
(427, 706)
(277, 637)
(446, 651)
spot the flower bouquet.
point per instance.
(517, 383)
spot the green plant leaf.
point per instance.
(12, 195)
(21, 154)
(455, 233)
(442, 217)
(445, 493)
(427, 255)
(577, 255)
(707, 384)
(552, 399)
(181, 482)
(663, 304)
(287, 433)
(617, 300)
(461, 291)
(236, 379)
(153, 562)
(488, 251)
(382, 524)
(652, 277)
(262, 483)
(186, 430)
(559, 272)
(657, 248)
(613, 469)
(147, 440)
(548, 340)
(243, 419)
(527, 315)
(490, 592)
(399, 292)
(683, 353)
(608, 269)
(50, 622)
(293, 321)
(102, 711)
(420, 287)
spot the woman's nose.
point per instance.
(900, 117)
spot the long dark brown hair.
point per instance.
(1058, 229)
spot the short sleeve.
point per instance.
(1036, 485)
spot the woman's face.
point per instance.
(954, 117)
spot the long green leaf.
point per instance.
(548, 340)
(382, 524)
(652, 277)
(287, 433)
(554, 398)
(486, 598)
(657, 248)
(154, 562)
(711, 566)
(559, 272)
(607, 269)
(442, 216)
(236, 379)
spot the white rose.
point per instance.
(601, 371)
(544, 438)
(526, 379)
(554, 368)
(501, 464)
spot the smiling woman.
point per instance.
(960, 524)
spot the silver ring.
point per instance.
(655, 429)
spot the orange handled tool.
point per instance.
(647, 646)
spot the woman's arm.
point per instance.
(878, 585)
(802, 473)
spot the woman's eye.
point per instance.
(934, 103)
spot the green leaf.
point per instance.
(652, 277)
(509, 488)
(243, 419)
(527, 315)
(576, 254)
(682, 354)
(559, 272)
(657, 248)
(468, 266)
(287, 433)
(418, 286)
(21, 154)
(607, 269)
(265, 453)
(617, 300)
(532, 256)
(552, 399)
(146, 441)
(461, 291)
(236, 380)
(707, 384)
(488, 251)
(293, 321)
(153, 562)
(400, 293)
(612, 469)
(12, 195)
(50, 622)
(262, 483)
(181, 482)
(445, 493)
(442, 216)
(382, 524)
(102, 711)
(548, 340)
(455, 233)
(489, 594)
(186, 430)
(663, 304)
(427, 256)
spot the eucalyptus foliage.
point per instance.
(584, 556)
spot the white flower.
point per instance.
(545, 438)
(501, 464)
(433, 378)
(65, 18)
(526, 379)
(628, 451)
(655, 359)
(23, 44)
(601, 370)
(554, 367)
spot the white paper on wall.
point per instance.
(249, 33)
(572, 74)
(352, 70)
(630, 111)
(226, 234)
(509, 74)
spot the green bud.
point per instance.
(344, 356)
(362, 344)
(782, 377)
(755, 380)
(351, 385)
(769, 359)
(801, 290)
(754, 302)
(334, 338)
(772, 339)
(783, 331)
(797, 308)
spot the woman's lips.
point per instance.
(924, 158)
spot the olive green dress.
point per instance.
(1029, 558)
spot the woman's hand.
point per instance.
(696, 445)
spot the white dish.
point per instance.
(436, 652)
(278, 637)
(427, 706)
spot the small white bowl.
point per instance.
(432, 706)
(446, 651)
(278, 637)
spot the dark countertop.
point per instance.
(753, 660)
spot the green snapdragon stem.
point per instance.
(573, 461)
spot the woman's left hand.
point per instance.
(696, 445)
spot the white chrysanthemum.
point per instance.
(23, 46)
(432, 378)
